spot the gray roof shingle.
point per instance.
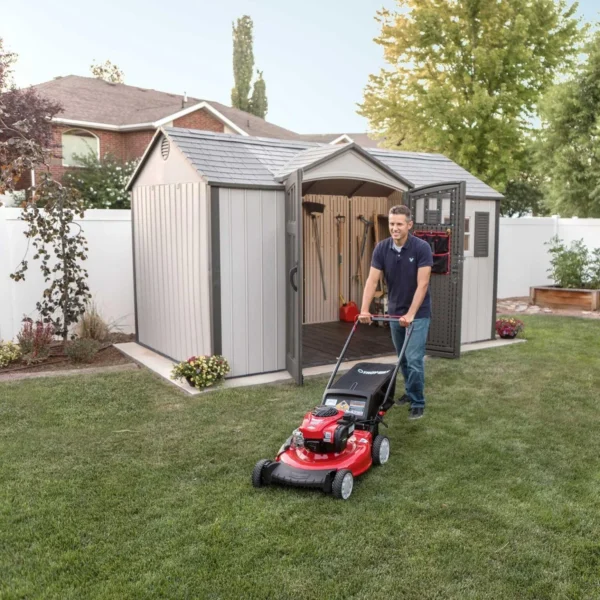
(223, 159)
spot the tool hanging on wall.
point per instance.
(361, 251)
(348, 310)
(314, 209)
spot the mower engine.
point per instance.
(324, 430)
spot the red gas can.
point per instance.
(348, 312)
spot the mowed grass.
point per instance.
(119, 486)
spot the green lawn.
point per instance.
(119, 486)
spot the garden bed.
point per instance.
(557, 297)
(108, 355)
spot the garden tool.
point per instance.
(361, 251)
(314, 209)
(348, 310)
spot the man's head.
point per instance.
(400, 223)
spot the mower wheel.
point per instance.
(257, 480)
(381, 450)
(342, 485)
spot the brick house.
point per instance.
(120, 119)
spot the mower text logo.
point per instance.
(362, 372)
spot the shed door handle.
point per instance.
(293, 272)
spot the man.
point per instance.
(405, 262)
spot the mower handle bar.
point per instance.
(384, 318)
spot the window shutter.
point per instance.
(481, 234)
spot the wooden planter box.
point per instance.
(555, 297)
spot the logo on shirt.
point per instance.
(411, 258)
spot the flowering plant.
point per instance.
(101, 182)
(509, 328)
(201, 371)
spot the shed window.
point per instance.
(467, 238)
(78, 142)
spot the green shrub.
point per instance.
(9, 352)
(574, 267)
(82, 350)
(101, 182)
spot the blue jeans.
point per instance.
(412, 364)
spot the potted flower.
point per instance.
(509, 328)
(201, 371)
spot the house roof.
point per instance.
(362, 139)
(92, 100)
(250, 161)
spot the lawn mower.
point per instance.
(339, 439)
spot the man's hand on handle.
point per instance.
(406, 320)
(365, 317)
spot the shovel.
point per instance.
(314, 209)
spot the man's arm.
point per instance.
(423, 275)
(369, 294)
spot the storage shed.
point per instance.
(244, 246)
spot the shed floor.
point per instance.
(323, 342)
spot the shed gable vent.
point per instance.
(164, 148)
(482, 234)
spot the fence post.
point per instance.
(555, 219)
(6, 283)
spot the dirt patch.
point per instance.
(107, 356)
(522, 306)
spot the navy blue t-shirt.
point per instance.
(400, 272)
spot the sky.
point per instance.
(316, 55)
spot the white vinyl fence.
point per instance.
(523, 258)
(109, 266)
(523, 262)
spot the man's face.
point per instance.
(399, 226)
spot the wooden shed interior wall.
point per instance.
(316, 308)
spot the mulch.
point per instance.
(107, 356)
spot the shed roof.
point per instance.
(235, 160)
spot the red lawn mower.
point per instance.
(339, 439)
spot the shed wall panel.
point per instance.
(478, 313)
(251, 228)
(171, 237)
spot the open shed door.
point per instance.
(441, 208)
(295, 275)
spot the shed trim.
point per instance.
(347, 148)
(215, 259)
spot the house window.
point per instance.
(467, 238)
(78, 142)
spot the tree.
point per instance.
(465, 77)
(523, 195)
(568, 156)
(60, 245)
(101, 183)
(107, 71)
(25, 126)
(243, 68)
(258, 103)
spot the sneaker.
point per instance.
(416, 413)
(403, 400)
